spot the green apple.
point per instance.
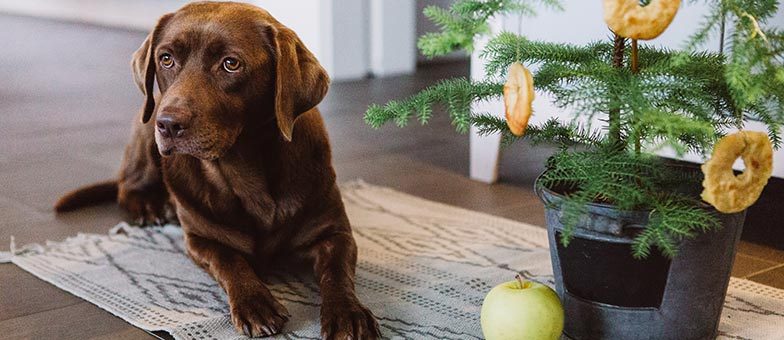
(522, 310)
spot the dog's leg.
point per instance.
(342, 315)
(140, 186)
(254, 311)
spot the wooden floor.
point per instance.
(67, 100)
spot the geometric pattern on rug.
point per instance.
(424, 268)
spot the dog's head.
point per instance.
(219, 66)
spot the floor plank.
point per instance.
(82, 320)
(746, 266)
(773, 277)
(761, 251)
(23, 294)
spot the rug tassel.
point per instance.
(5, 256)
(119, 229)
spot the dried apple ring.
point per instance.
(518, 98)
(628, 19)
(724, 190)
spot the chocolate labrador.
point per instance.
(249, 186)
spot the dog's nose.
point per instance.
(169, 127)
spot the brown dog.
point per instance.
(247, 185)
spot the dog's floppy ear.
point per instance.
(143, 65)
(300, 81)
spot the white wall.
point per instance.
(137, 14)
(392, 37)
(299, 15)
(337, 31)
(582, 22)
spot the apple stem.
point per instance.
(520, 279)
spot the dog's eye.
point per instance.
(166, 60)
(231, 65)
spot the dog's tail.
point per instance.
(89, 195)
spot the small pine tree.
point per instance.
(649, 96)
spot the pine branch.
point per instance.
(467, 19)
(551, 131)
(580, 79)
(630, 182)
(673, 130)
(507, 48)
(672, 220)
(617, 177)
(456, 95)
(755, 59)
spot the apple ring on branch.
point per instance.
(724, 190)
(628, 19)
(518, 98)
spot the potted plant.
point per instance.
(637, 249)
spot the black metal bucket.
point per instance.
(607, 294)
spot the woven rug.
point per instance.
(424, 269)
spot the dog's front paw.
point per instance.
(348, 321)
(257, 313)
(145, 208)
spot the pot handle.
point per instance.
(540, 192)
(634, 226)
